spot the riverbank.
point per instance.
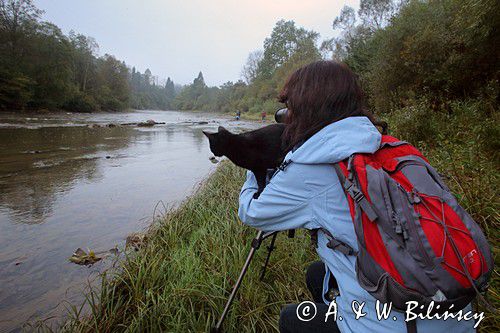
(180, 281)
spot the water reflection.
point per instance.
(44, 164)
(64, 185)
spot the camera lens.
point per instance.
(280, 115)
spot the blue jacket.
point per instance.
(307, 194)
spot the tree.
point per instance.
(169, 89)
(403, 49)
(40, 67)
(198, 88)
(377, 13)
(251, 68)
(113, 83)
(285, 40)
(199, 82)
(85, 50)
(16, 16)
(147, 76)
(50, 66)
(346, 23)
(373, 14)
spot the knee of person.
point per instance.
(287, 315)
(315, 271)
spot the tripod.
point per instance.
(256, 242)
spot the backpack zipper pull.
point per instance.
(414, 197)
(398, 228)
(405, 234)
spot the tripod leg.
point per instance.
(270, 248)
(255, 245)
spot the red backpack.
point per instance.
(415, 241)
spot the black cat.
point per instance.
(257, 150)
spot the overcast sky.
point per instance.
(180, 38)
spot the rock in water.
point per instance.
(148, 123)
(80, 257)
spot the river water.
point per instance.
(70, 181)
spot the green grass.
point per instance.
(181, 280)
(255, 116)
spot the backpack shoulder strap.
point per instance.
(355, 193)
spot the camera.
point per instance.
(280, 115)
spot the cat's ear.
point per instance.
(222, 129)
(207, 134)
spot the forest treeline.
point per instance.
(42, 68)
(430, 67)
(403, 51)
(406, 52)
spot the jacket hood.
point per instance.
(337, 141)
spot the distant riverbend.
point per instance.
(83, 180)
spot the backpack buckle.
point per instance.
(354, 192)
(357, 195)
(284, 164)
(360, 199)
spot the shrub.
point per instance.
(81, 103)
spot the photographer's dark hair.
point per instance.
(317, 95)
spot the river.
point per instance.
(70, 181)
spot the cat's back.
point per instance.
(264, 145)
(265, 134)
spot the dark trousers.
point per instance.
(289, 321)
